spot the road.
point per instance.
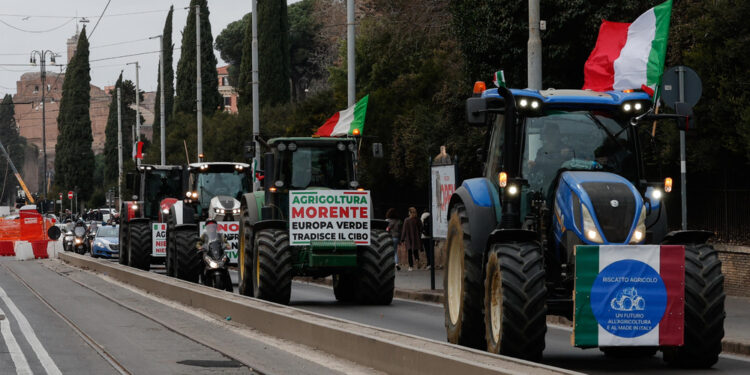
(56, 319)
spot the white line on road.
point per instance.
(19, 360)
(28, 332)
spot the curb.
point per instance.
(728, 346)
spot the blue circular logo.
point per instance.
(628, 298)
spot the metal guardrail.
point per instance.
(384, 350)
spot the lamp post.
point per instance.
(162, 141)
(43, 66)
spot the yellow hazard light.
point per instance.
(502, 179)
(479, 87)
(355, 132)
(668, 184)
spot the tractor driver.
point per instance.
(552, 154)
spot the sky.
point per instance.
(127, 31)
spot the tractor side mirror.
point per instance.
(476, 111)
(377, 150)
(685, 110)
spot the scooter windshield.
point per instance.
(215, 249)
(69, 226)
(79, 231)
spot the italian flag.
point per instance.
(138, 150)
(630, 55)
(629, 295)
(348, 122)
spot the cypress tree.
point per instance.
(168, 47)
(273, 52)
(245, 82)
(74, 157)
(127, 90)
(14, 144)
(185, 99)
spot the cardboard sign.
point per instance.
(329, 215)
(443, 181)
(159, 239)
(231, 230)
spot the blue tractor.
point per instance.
(562, 168)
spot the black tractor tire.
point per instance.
(124, 245)
(463, 283)
(345, 287)
(245, 256)
(139, 239)
(704, 310)
(629, 351)
(515, 314)
(188, 260)
(376, 270)
(169, 261)
(272, 274)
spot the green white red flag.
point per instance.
(629, 295)
(348, 122)
(630, 55)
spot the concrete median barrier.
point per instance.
(383, 350)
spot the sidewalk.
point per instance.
(416, 285)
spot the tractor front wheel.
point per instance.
(272, 274)
(124, 245)
(514, 301)
(188, 261)
(245, 256)
(376, 270)
(139, 239)
(704, 310)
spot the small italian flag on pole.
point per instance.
(349, 122)
(629, 295)
(630, 55)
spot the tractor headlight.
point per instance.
(135, 206)
(292, 147)
(236, 211)
(656, 194)
(220, 211)
(589, 226)
(640, 230)
(341, 146)
(281, 147)
(512, 190)
(528, 104)
(165, 211)
(351, 147)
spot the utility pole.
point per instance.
(683, 163)
(162, 119)
(255, 83)
(119, 144)
(350, 66)
(137, 137)
(534, 48)
(199, 99)
(43, 71)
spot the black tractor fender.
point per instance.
(680, 237)
(139, 220)
(481, 215)
(270, 224)
(511, 235)
(182, 214)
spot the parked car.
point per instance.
(106, 242)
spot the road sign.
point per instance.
(60, 195)
(70, 194)
(673, 86)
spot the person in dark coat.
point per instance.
(411, 236)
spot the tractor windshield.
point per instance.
(211, 184)
(316, 167)
(160, 184)
(576, 141)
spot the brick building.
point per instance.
(226, 90)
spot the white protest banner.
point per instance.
(231, 230)
(159, 239)
(443, 181)
(329, 215)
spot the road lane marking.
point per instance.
(49, 365)
(16, 354)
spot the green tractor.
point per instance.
(281, 238)
(563, 193)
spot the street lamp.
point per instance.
(43, 54)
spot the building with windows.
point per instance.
(226, 90)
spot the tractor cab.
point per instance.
(214, 189)
(150, 185)
(308, 164)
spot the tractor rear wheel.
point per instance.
(704, 310)
(462, 283)
(345, 287)
(515, 316)
(139, 239)
(245, 256)
(124, 245)
(272, 274)
(188, 260)
(376, 270)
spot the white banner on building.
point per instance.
(443, 184)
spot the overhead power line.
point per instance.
(37, 31)
(74, 16)
(100, 18)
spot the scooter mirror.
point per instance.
(54, 233)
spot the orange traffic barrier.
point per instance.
(40, 249)
(6, 249)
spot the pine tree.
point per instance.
(185, 99)
(245, 81)
(273, 52)
(168, 47)
(74, 157)
(14, 144)
(127, 90)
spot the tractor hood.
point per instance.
(600, 208)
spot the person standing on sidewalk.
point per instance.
(411, 236)
(394, 228)
(426, 220)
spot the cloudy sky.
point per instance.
(27, 25)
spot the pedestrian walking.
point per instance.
(411, 236)
(426, 220)
(394, 228)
